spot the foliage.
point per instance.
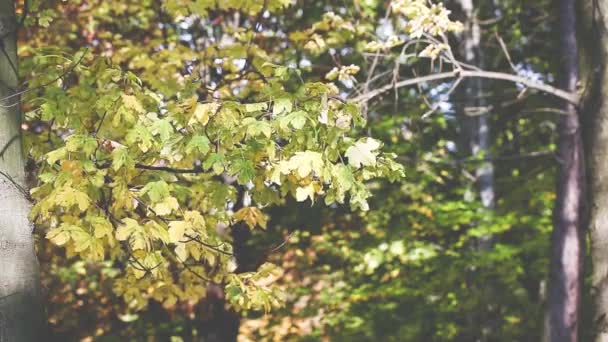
(184, 119)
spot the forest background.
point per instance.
(353, 170)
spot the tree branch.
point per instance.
(169, 169)
(569, 97)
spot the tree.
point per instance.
(21, 315)
(145, 168)
(594, 56)
(567, 250)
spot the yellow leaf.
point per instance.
(308, 191)
(166, 206)
(131, 102)
(177, 229)
(69, 196)
(304, 163)
(252, 216)
(204, 111)
(102, 227)
(181, 251)
(363, 153)
(58, 236)
(195, 219)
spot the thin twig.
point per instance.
(16, 185)
(8, 144)
(505, 51)
(199, 241)
(282, 243)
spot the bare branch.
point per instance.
(570, 97)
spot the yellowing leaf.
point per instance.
(131, 102)
(156, 191)
(308, 191)
(120, 158)
(56, 155)
(363, 153)
(252, 216)
(166, 206)
(181, 251)
(102, 227)
(126, 229)
(282, 105)
(177, 229)
(256, 107)
(157, 231)
(304, 163)
(195, 219)
(58, 236)
(69, 196)
(81, 143)
(203, 112)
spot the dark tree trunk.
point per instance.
(566, 270)
(216, 322)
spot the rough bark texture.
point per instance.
(593, 47)
(21, 317)
(567, 253)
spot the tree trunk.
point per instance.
(475, 138)
(474, 119)
(566, 270)
(21, 314)
(593, 47)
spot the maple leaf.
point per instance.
(69, 196)
(156, 191)
(252, 216)
(203, 112)
(58, 236)
(166, 206)
(131, 102)
(304, 163)
(282, 105)
(363, 153)
(177, 229)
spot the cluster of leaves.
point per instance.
(139, 176)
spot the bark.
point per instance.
(21, 315)
(475, 137)
(593, 47)
(567, 253)
(475, 119)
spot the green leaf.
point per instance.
(282, 105)
(121, 158)
(199, 143)
(81, 143)
(256, 107)
(156, 191)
